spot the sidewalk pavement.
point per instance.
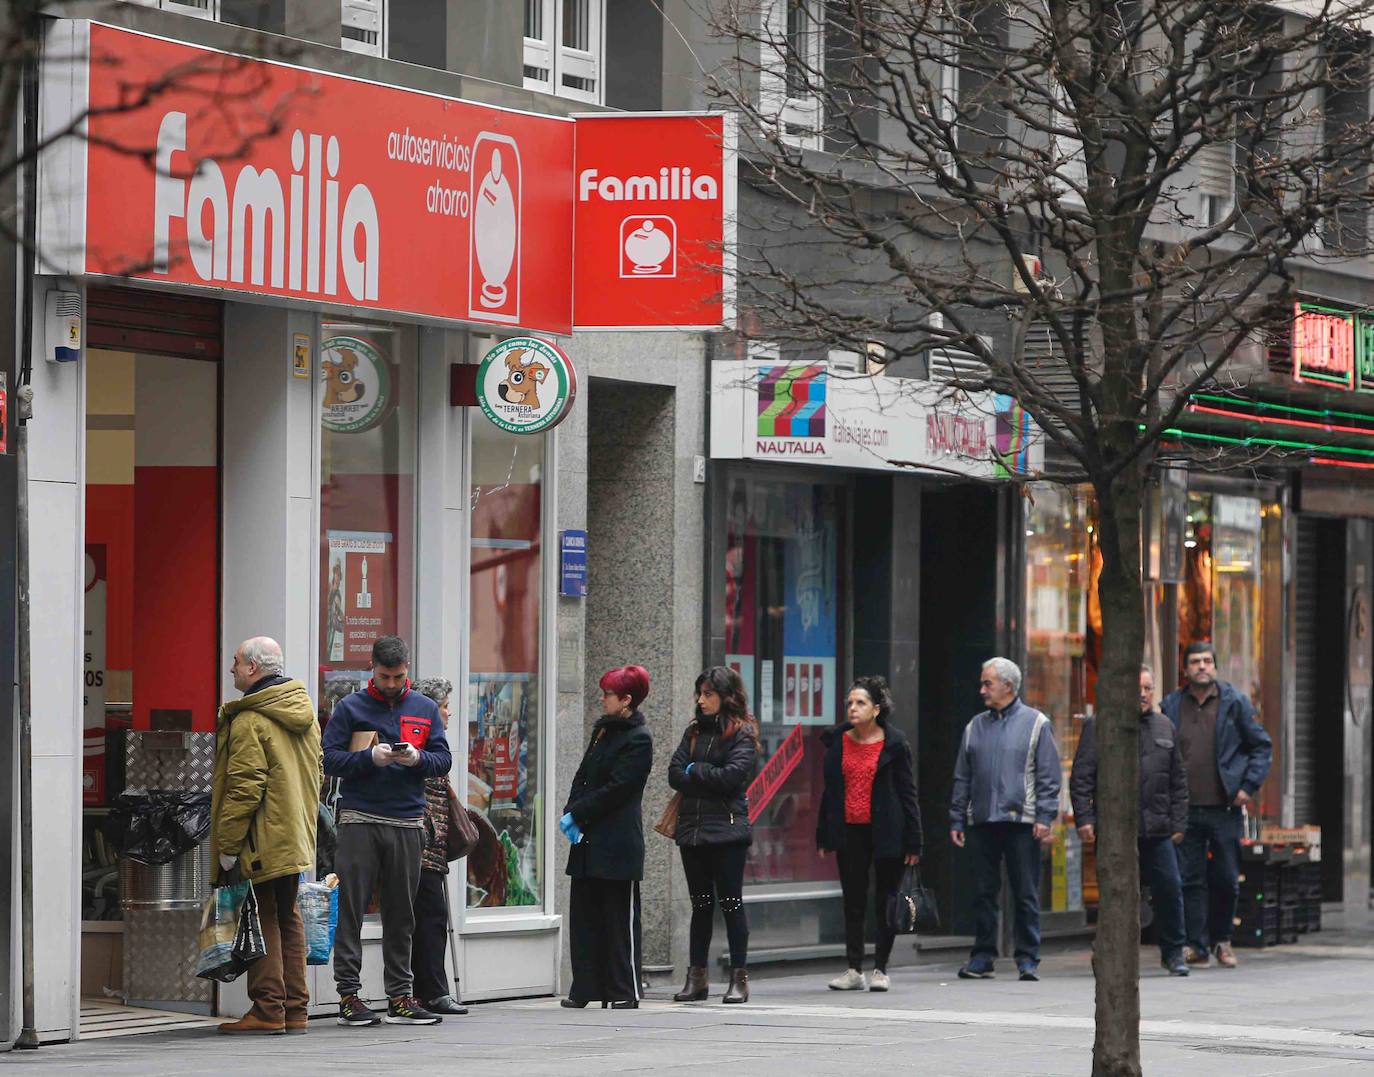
(1295, 1010)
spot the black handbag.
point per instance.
(912, 908)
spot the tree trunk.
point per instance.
(1116, 957)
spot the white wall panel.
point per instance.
(56, 588)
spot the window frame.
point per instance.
(799, 118)
(363, 48)
(544, 914)
(547, 52)
(210, 12)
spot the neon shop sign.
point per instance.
(1333, 347)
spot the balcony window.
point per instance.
(363, 27)
(564, 45)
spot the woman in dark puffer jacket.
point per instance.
(712, 768)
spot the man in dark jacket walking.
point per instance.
(1163, 815)
(1226, 755)
(383, 741)
(266, 784)
(1006, 794)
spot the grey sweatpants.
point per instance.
(387, 858)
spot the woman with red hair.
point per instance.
(602, 819)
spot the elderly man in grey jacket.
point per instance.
(1005, 800)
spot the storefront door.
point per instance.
(152, 514)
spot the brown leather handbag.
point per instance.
(462, 831)
(667, 822)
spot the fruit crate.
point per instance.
(1259, 930)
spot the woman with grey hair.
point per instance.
(429, 941)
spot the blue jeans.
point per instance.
(1210, 887)
(1159, 867)
(990, 844)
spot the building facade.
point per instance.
(271, 421)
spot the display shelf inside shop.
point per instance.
(1280, 893)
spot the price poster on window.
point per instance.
(360, 603)
(93, 748)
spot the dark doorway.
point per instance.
(959, 528)
(1321, 690)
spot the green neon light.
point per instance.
(1316, 413)
(1280, 443)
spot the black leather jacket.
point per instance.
(715, 809)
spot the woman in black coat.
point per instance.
(712, 768)
(602, 820)
(870, 819)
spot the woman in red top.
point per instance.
(870, 818)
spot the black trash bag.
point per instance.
(326, 841)
(157, 826)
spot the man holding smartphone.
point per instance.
(383, 742)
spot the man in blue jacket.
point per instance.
(1006, 797)
(1226, 754)
(383, 741)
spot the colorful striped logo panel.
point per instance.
(792, 402)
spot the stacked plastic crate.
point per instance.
(1259, 912)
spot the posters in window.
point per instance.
(503, 871)
(360, 601)
(93, 747)
(810, 620)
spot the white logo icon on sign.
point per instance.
(494, 290)
(648, 246)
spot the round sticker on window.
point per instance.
(526, 385)
(357, 385)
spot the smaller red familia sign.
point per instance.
(654, 221)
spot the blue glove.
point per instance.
(570, 829)
(689, 768)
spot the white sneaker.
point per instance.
(852, 980)
(878, 981)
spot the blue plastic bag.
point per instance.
(319, 909)
(219, 928)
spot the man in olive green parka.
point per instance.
(268, 770)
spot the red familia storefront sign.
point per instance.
(212, 170)
(655, 221)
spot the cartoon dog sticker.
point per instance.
(341, 384)
(523, 378)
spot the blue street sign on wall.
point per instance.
(572, 562)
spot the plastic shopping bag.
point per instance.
(249, 944)
(219, 926)
(319, 909)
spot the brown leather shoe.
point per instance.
(738, 991)
(1226, 957)
(253, 1025)
(696, 988)
(297, 1026)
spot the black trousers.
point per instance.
(716, 873)
(429, 943)
(604, 940)
(855, 859)
(989, 846)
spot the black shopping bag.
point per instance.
(249, 945)
(912, 908)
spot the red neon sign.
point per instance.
(1323, 347)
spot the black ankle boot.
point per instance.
(696, 988)
(738, 991)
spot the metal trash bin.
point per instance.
(162, 903)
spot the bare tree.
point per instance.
(1127, 183)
